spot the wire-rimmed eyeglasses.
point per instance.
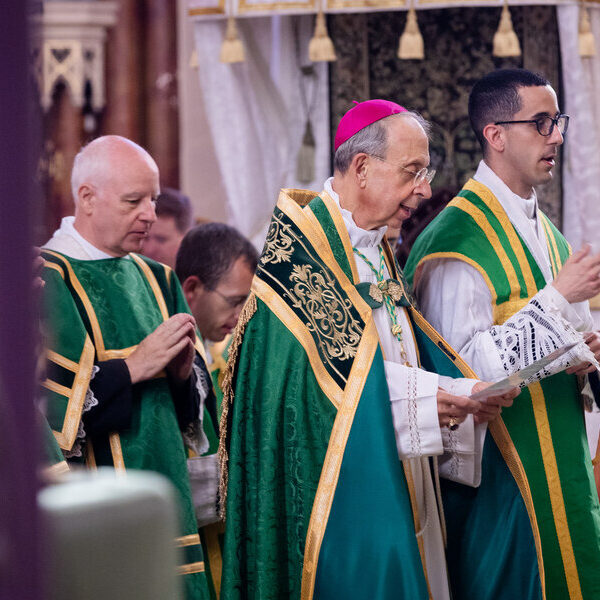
(424, 174)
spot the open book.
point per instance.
(525, 375)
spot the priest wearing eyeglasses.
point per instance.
(497, 279)
(339, 396)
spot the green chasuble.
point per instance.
(101, 310)
(318, 504)
(532, 529)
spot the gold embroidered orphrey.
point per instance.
(328, 313)
(278, 245)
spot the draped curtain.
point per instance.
(257, 115)
(581, 170)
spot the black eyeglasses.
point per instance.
(544, 125)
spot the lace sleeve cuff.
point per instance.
(535, 331)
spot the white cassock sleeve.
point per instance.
(463, 447)
(455, 299)
(413, 396)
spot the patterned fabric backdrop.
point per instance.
(458, 50)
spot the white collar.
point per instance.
(359, 238)
(69, 241)
(489, 178)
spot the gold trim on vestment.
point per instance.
(501, 312)
(338, 221)
(188, 540)
(410, 482)
(334, 456)
(90, 456)
(51, 265)
(56, 469)
(160, 299)
(279, 307)
(227, 388)
(200, 349)
(498, 211)
(555, 489)
(117, 452)
(75, 396)
(503, 441)
(63, 361)
(57, 388)
(513, 461)
(313, 231)
(191, 568)
(492, 236)
(553, 252)
(89, 309)
(213, 551)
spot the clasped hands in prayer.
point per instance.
(455, 409)
(170, 346)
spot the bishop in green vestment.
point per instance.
(332, 399)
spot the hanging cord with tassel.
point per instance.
(232, 50)
(587, 44)
(321, 47)
(411, 46)
(506, 42)
(305, 163)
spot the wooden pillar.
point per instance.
(63, 139)
(124, 67)
(162, 118)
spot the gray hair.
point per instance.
(371, 140)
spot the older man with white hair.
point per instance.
(340, 392)
(125, 386)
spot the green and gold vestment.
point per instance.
(532, 529)
(318, 504)
(101, 310)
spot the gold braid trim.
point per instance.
(227, 389)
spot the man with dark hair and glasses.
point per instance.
(215, 265)
(498, 280)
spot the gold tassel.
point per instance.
(411, 44)
(227, 389)
(587, 44)
(506, 42)
(232, 50)
(194, 64)
(320, 47)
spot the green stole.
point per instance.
(541, 439)
(100, 310)
(318, 503)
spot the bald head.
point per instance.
(115, 184)
(97, 160)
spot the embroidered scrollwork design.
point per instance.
(329, 315)
(278, 245)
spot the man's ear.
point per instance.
(360, 168)
(192, 286)
(85, 198)
(494, 136)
